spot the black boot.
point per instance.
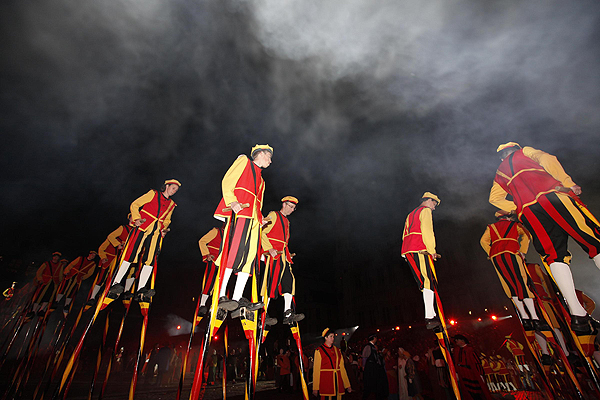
(528, 325)
(115, 291)
(581, 325)
(226, 304)
(290, 317)
(144, 295)
(432, 323)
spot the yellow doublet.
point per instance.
(266, 244)
(113, 240)
(205, 240)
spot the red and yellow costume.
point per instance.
(243, 183)
(538, 279)
(108, 248)
(418, 245)
(504, 242)
(534, 179)
(279, 278)
(49, 274)
(210, 245)
(81, 268)
(516, 349)
(329, 374)
(156, 209)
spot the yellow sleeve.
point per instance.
(523, 238)
(551, 164)
(204, 240)
(316, 370)
(427, 230)
(71, 265)
(343, 371)
(138, 203)
(114, 235)
(266, 244)
(40, 273)
(498, 198)
(485, 241)
(231, 178)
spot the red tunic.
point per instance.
(249, 189)
(50, 271)
(524, 179)
(279, 235)
(412, 239)
(515, 348)
(81, 268)
(329, 374)
(158, 209)
(503, 239)
(108, 249)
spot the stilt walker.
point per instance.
(537, 183)
(210, 245)
(418, 249)
(151, 215)
(278, 276)
(241, 210)
(109, 250)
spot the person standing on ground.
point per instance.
(329, 373)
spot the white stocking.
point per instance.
(240, 284)
(287, 300)
(428, 296)
(531, 308)
(562, 275)
(203, 300)
(226, 277)
(121, 272)
(519, 305)
(541, 340)
(145, 275)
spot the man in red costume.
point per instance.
(151, 215)
(329, 373)
(80, 269)
(469, 369)
(209, 247)
(50, 275)
(241, 208)
(541, 194)
(418, 249)
(107, 252)
(506, 242)
(279, 278)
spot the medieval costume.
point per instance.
(107, 252)
(241, 208)
(505, 242)
(151, 214)
(209, 247)
(418, 249)
(541, 194)
(50, 276)
(329, 374)
(279, 278)
(76, 272)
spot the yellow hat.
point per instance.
(172, 182)
(506, 145)
(57, 253)
(429, 195)
(325, 332)
(291, 199)
(260, 147)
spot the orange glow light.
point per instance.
(494, 317)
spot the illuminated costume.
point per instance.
(469, 369)
(151, 214)
(279, 278)
(10, 292)
(209, 247)
(505, 242)
(418, 249)
(537, 184)
(329, 374)
(242, 184)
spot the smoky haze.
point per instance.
(367, 103)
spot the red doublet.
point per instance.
(110, 250)
(524, 179)
(514, 348)
(413, 236)
(249, 189)
(50, 271)
(81, 267)
(279, 236)
(503, 239)
(215, 244)
(156, 211)
(330, 379)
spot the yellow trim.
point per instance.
(576, 214)
(524, 170)
(534, 201)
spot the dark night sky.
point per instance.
(366, 103)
